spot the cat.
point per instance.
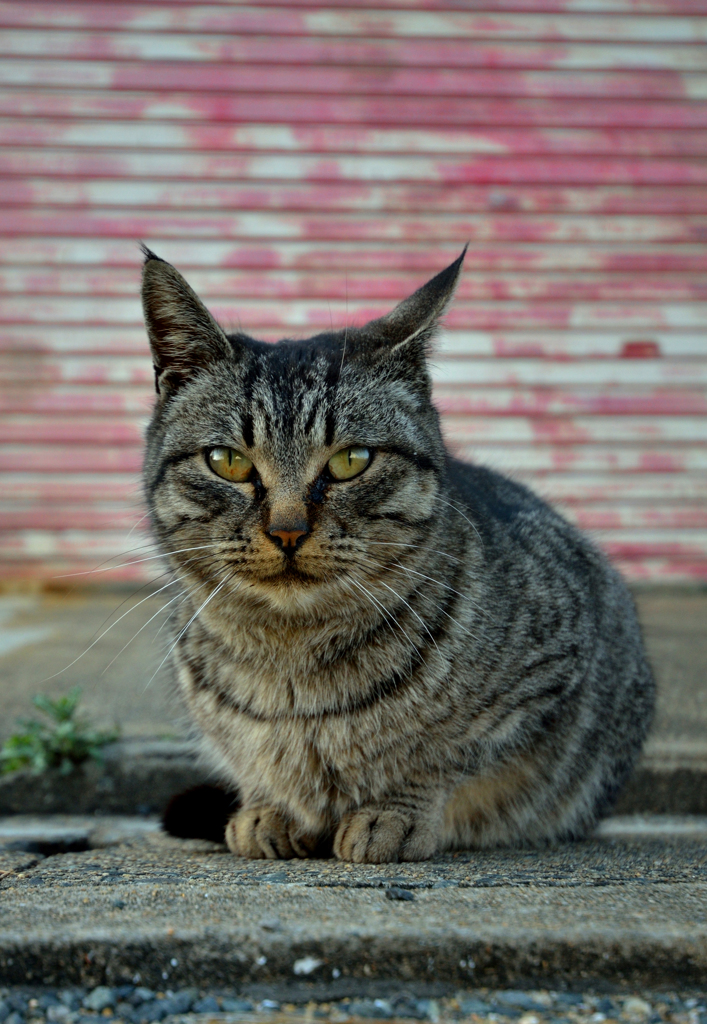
(388, 653)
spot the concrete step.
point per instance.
(139, 777)
(628, 907)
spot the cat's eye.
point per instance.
(349, 462)
(230, 464)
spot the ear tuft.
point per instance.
(149, 254)
(414, 321)
(183, 335)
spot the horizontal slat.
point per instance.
(609, 430)
(524, 462)
(348, 256)
(285, 286)
(71, 459)
(395, 111)
(351, 196)
(268, 225)
(103, 432)
(675, 571)
(72, 517)
(375, 53)
(636, 373)
(314, 21)
(577, 493)
(670, 7)
(117, 491)
(546, 400)
(77, 400)
(653, 543)
(430, 82)
(18, 14)
(576, 344)
(353, 167)
(346, 139)
(609, 518)
(381, 110)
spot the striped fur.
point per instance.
(443, 661)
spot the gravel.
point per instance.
(133, 1004)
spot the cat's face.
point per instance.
(298, 468)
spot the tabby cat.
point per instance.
(387, 652)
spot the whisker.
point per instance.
(149, 583)
(109, 559)
(181, 633)
(457, 509)
(137, 561)
(143, 626)
(401, 568)
(406, 603)
(401, 544)
(94, 642)
(387, 614)
(135, 525)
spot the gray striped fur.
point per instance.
(443, 662)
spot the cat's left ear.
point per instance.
(184, 337)
(408, 330)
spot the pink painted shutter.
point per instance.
(308, 164)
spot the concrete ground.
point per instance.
(113, 650)
(626, 908)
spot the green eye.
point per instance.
(230, 464)
(349, 462)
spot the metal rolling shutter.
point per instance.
(308, 164)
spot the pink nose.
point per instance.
(288, 538)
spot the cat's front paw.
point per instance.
(373, 835)
(263, 832)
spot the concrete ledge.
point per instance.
(137, 777)
(628, 909)
(140, 776)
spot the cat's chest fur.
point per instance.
(300, 727)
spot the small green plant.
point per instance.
(65, 741)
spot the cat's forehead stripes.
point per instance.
(289, 393)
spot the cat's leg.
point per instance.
(265, 832)
(393, 830)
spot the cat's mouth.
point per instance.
(291, 573)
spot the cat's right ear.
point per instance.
(184, 337)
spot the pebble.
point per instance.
(396, 893)
(141, 995)
(130, 1004)
(518, 1000)
(206, 1005)
(100, 999)
(604, 1005)
(477, 1006)
(637, 1008)
(377, 1008)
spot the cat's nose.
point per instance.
(289, 536)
